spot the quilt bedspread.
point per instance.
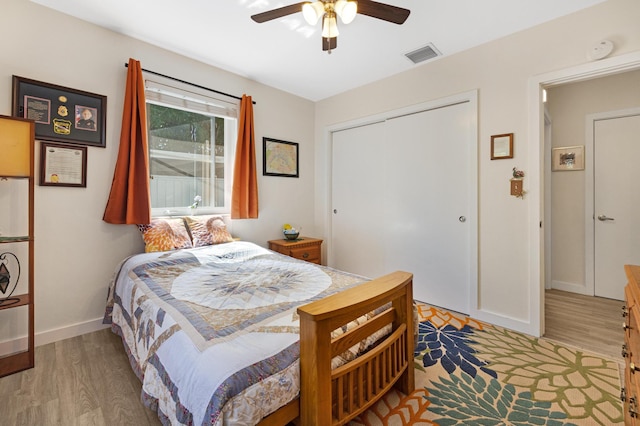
(212, 331)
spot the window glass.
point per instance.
(190, 157)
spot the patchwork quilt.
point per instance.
(212, 332)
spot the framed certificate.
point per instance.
(63, 165)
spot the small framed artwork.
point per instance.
(61, 114)
(502, 146)
(63, 165)
(568, 158)
(280, 158)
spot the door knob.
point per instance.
(603, 218)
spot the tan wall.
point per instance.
(501, 72)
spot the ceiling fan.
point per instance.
(328, 10)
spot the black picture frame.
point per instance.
(61, 114)
(63, 165)
(280, 158)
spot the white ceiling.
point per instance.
(287, 54)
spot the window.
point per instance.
(191, 150)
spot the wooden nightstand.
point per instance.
(304, 248)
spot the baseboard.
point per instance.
(50, 336)
(570, 287)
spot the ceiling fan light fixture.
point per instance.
(346, 10)
(330, 26)
(312, 11)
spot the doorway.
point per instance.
(576, 280)
(585, 255)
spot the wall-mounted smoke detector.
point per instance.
(423, 54)
(600, 50)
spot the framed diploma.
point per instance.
(61, 114)
(63, 165)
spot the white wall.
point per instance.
(501, 70)
(76, 252)
(568, 106)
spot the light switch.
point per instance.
(516, 187)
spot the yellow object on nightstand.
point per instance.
(304, 248)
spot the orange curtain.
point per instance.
(244, 198)
(129, 201)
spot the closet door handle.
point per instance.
(603, 218)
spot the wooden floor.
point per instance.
(586, 322)
(87, 380)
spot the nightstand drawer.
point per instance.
(304, 248)
(310, 254)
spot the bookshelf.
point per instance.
(17, 140)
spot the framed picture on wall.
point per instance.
(61, 114)
(279, 158)
(568, 158)
(502, 146)
(63, 165)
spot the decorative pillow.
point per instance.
(207, 230)
(165, 234)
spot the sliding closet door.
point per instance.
(403, 198)
(428, 207)
(357, 239)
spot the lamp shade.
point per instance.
(312, 12)
(330, 26)
(16, 143)
(346, 10)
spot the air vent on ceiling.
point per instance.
(423, 54)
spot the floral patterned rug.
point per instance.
(473, 373)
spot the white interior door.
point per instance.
(428, 206)
(358, 158)
(616, 202)
(401, 195)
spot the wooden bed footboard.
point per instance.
(333, 397)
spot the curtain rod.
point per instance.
(126, 65)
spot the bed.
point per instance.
(233, 333)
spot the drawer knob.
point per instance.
(305, 255)
(625, 311)
(626, 326)
(624, 352)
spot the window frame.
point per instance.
(191, 100)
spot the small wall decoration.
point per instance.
(63, 165)
(502, 146)
(9, 277)
(567, 158)
(516, 183)
(61, 114)
(279, 158)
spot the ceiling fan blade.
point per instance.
(386, 12)
(329, 43)
(277, 13)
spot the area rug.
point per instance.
(473, 373)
